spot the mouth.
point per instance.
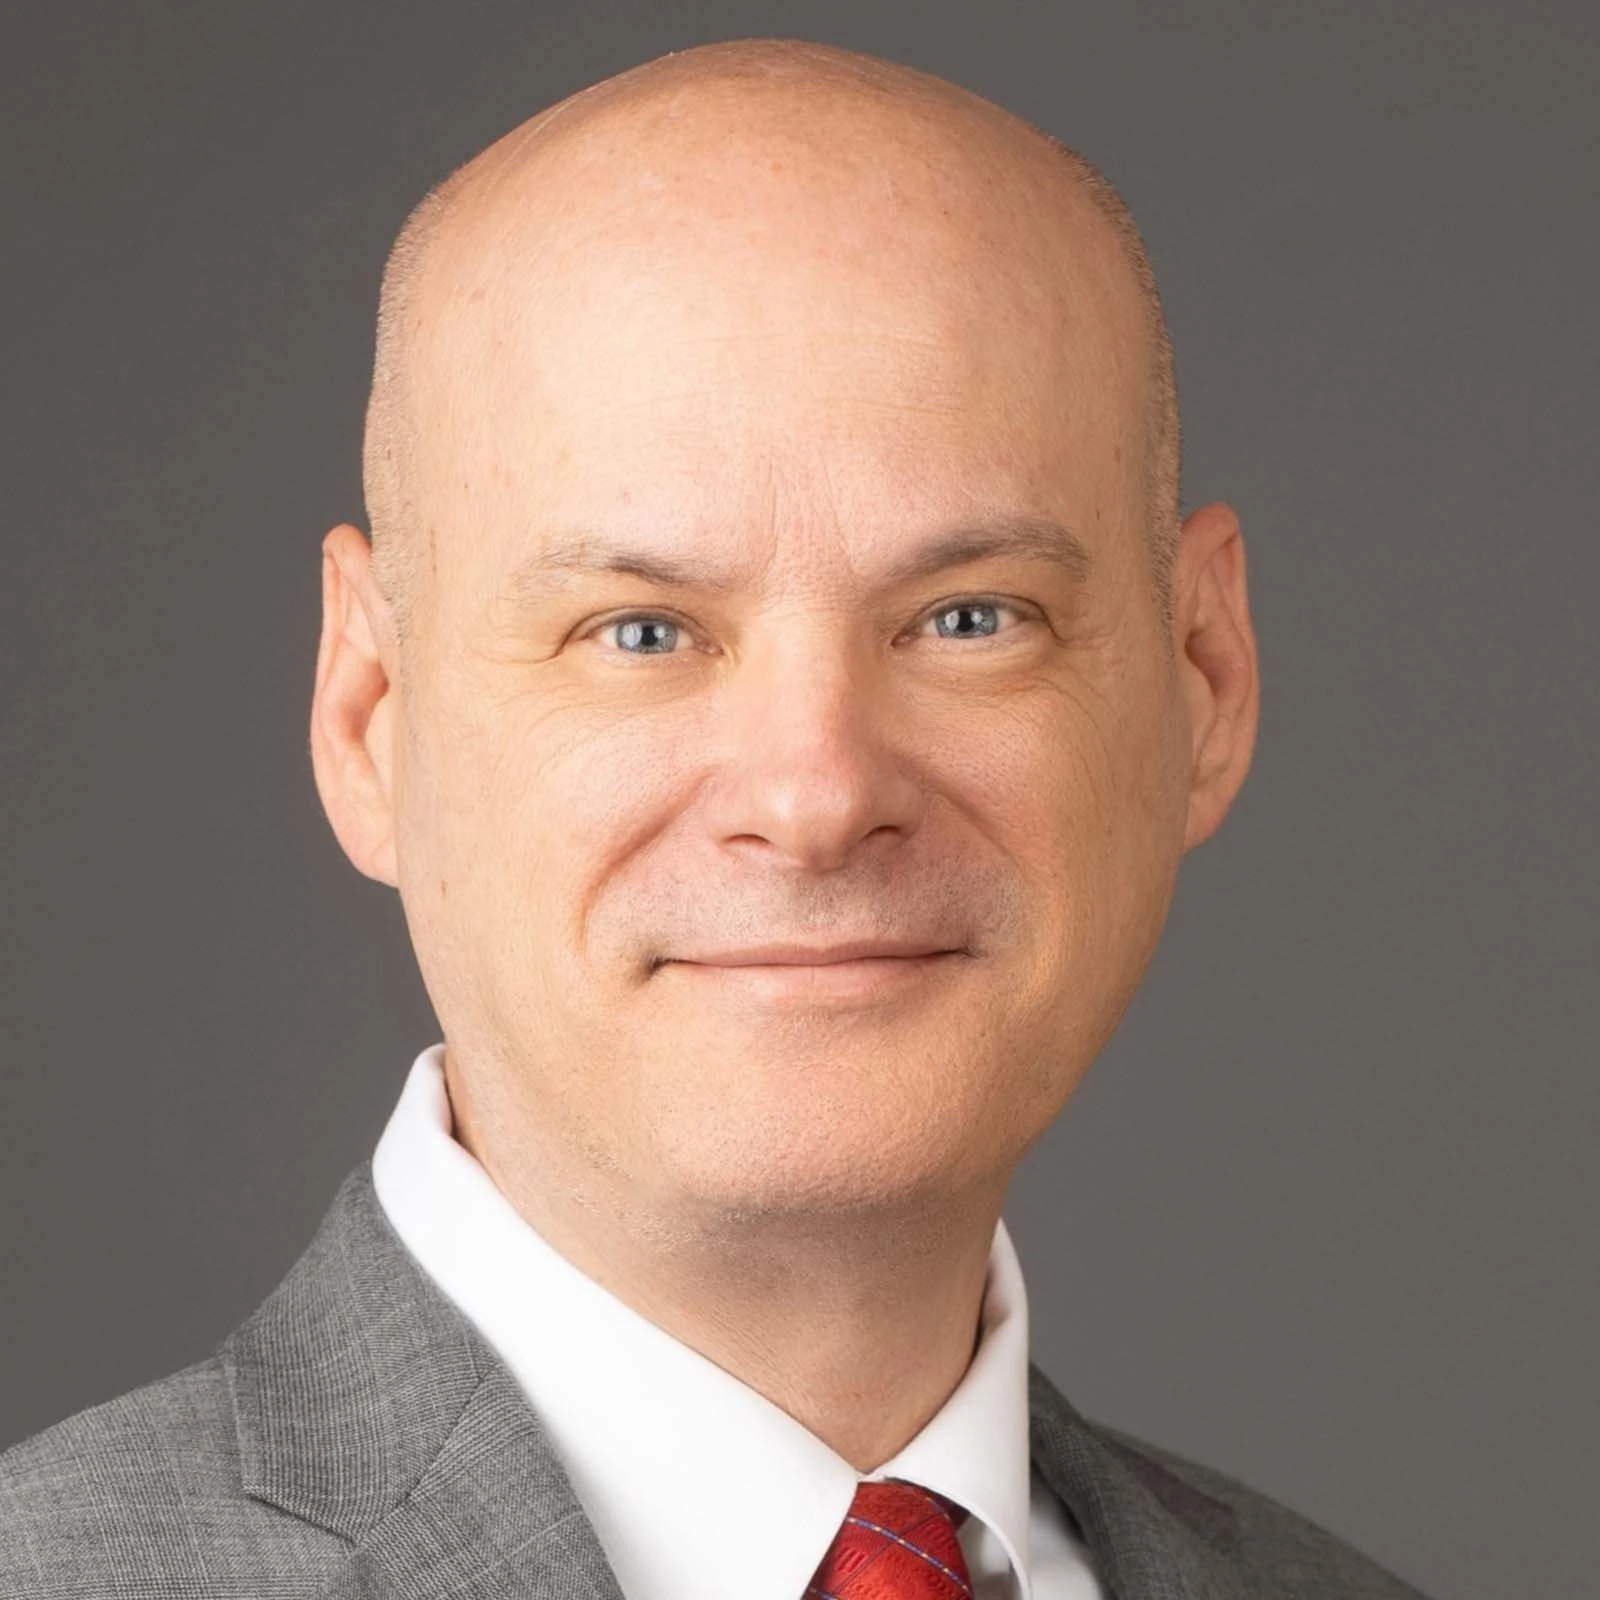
(800, 955)
(819, 976)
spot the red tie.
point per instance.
(898, 1542)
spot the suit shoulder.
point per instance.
(143, 1494)
(1283, 1551)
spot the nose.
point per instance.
(811, 766)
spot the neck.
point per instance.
(859, 1325)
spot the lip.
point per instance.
(797, 955)
(818, 977)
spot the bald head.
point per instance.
(772, 141)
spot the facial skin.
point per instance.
(792, 330)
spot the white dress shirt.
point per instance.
(655, 1437)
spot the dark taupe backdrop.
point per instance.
(1324, 1212)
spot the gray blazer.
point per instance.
(357, 1437)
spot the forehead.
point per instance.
(869, 301)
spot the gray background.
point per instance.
(1323, 1215)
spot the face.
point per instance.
(606, 784)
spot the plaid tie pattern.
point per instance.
(897, 1542)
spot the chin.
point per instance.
(849, 1110)
(814, 1165)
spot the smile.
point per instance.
(863, 978)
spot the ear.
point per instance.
(354, 711)
(1214, 645)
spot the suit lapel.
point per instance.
(365, 1403)
(492, 1518)
(1152, 1536)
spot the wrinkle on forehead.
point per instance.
(767, 149)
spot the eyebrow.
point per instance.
(1031, 538)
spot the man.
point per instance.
(781, 688)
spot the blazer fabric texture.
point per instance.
(357, 1437)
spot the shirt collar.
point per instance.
(652, 1434)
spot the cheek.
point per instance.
(1052, 776)
(1084, 794)
(537, 805)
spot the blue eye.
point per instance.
(957, 616)
(642, 634)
